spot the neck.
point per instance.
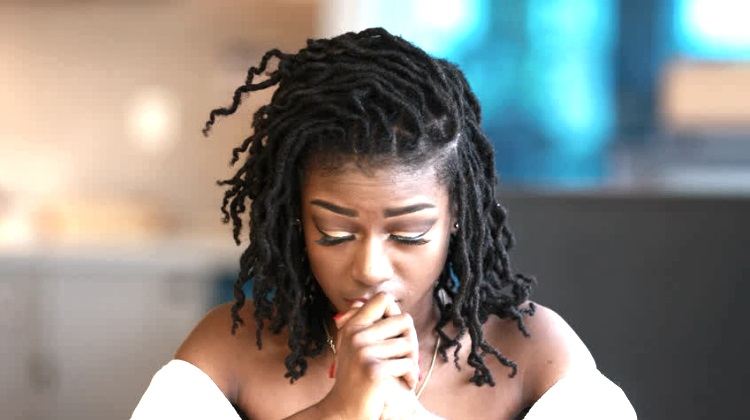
(425, 314)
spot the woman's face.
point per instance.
(381, 231)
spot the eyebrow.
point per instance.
(406, 210)
(336, 209)
(399, 211)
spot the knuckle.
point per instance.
(381, 298)
(363, 355)
(405, 343)
(345, 331)
(348, 330)
(358, 339)
(373, 370)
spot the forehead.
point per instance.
(374, 187)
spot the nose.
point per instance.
(372, 264)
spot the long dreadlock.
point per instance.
(367, 96)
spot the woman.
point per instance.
(378, 257)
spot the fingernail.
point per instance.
(332, 370)
(337, 316)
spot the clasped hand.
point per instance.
(377, 363)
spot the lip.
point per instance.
(363, 300)
(359, 299)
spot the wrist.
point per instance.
(333, 408)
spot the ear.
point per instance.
(454, 218)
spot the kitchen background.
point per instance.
(622, 131)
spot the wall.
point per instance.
(654, 285)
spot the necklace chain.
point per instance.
(332, 345)
(429, 371)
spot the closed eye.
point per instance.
(411, 240)
(330, 240)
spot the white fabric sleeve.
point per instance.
(180, 390)
(583, 395)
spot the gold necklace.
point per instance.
(429, 371)
(331, 344)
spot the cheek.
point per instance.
(419, 268)
(327, 264)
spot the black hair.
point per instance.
(369, 97)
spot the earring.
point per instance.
(455, 226)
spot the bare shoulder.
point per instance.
(213, 348)
(552, 350)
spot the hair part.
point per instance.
(370, 98)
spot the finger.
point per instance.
(411, 336)
(412, 378)
(373, 310)
(392, 309)
(395, 326)
(395, 348)
(397, 329)
(407, 330)
(398, 368)
(342, 317)
(404, 326)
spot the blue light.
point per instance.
(542, 70)
(569, 43)
(437, 26)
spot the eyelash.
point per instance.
(328, 240)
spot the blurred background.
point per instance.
(622, 132)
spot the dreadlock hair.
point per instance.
(372, 98)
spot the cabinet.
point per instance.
(83, 330)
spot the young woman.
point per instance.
(378, 257)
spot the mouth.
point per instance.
(363, 300)
(360, 299)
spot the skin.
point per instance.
(398, 226)
(355, 226)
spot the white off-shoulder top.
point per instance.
(180, 390)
